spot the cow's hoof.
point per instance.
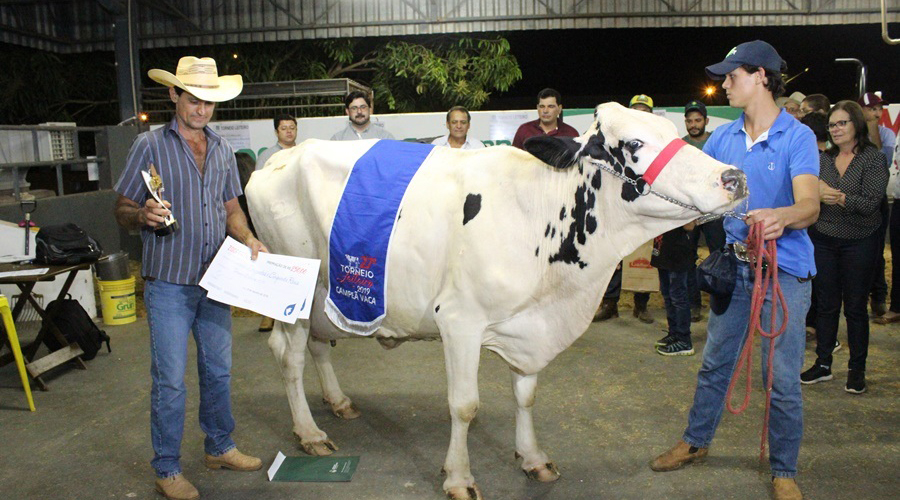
(465, 493)
(546, 473)
(318, 448)
(345, 411)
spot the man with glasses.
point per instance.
(359, 110)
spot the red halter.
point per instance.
(662, 160)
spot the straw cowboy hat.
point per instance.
(201, 78)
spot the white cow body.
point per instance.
(501, 280)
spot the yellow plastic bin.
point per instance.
(117, 301)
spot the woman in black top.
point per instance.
(852, 181)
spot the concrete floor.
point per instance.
(604, 408)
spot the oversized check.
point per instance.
(278, 286)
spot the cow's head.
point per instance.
(635, 145)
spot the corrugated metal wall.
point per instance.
(86, 25)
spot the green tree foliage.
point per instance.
(413, 74)
(423, 77)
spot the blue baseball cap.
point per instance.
(756, 53)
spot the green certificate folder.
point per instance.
(315, 469)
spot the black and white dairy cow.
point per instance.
(551, 217)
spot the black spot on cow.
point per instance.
(562, 213)
(590, 224)
(617, 152)
(471, 207)
(559, 152)
(399, 212)
(547, 231)
(536, 250)
(596, 180)
(438, 308)
(630, 192)
(553, 233)
(576, 234)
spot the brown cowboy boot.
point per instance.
(234, 460)
(680, 455)
(608, 309)
(786, 489)
(177, 488)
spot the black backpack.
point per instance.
(65, 244)
(76, 326)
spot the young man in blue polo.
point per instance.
(781, 161)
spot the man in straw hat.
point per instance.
(201, 187)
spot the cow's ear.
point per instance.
(559, 152)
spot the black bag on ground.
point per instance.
(76, 326)
(717, 275)
(65, 244)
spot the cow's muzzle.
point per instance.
(735, 182)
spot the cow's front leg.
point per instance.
(340, 404)
(288, 344)
(461, 356)
(535, 462)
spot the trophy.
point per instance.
(155, 186)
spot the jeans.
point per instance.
(726, 335)
(895, 253)
(845, 275)
(674, 288)
(714, 234)
(173, 311)
(879, 289)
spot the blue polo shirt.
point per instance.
(198, 202)
(771, 165)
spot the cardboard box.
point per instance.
(637, 273)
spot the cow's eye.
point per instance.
(634, 144)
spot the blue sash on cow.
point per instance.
(362, 230)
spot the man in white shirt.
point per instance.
(458, 122)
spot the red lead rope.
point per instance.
(760, 251)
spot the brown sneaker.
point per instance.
(234, 460)
(608, 309)
(177, 488)
(786, 489)
(680, 455)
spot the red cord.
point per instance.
(760, 251)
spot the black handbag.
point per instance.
(717, 275)
(65, 244)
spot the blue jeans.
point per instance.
(674, 288)
(726, 334)
(173, 311)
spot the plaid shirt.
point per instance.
(198, 202)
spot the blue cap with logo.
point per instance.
(695, 106)
(756, 53)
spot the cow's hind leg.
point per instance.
(340, 404)
(288, 344)
(461, 356)
(535, 462)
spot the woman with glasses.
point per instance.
(852, 181)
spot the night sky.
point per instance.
(593, 66)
